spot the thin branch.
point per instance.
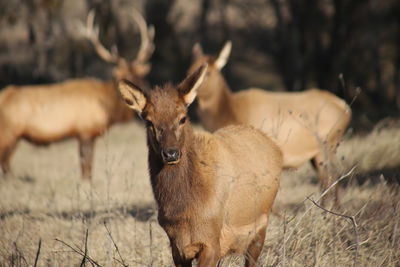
(38, 253)
(115, 245)
(120, 262)
(319, 198)
(85, 254)
(355, 229)
(79, 252)
(20, 255)
(284, 241)
(343, 83)
(336, 182)
(358, 92)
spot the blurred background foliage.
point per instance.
(279, 45)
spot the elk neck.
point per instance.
(215, 107)
(174, 186)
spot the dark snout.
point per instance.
(171, 155)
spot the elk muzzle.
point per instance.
(170, 155)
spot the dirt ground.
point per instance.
(48, 215)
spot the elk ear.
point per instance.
(188, 87)
(132, 95)
(223, 55)
(197, 51)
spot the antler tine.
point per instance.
(146, 36)
(92, 33)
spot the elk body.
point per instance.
(306, 125)
(214, 191)
(80, 108)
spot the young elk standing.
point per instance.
(214, 191)
(81, 108)
(306, 125)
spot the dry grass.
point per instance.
(46, 201)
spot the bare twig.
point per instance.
(85, 254)
(119, 261)
(38, 253)
(355, 228)
(319, 198)
(151, 243)
(115, 245)
(336, 182)
(343, 83)
(358, 92)
(19, 254)
(79, 252)
(393, 250)
(334, 243)
(284, 241)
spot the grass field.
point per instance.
(48, 215)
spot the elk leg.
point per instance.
(178, 260)
(5, 156)
(321, 169)
(86, 147)
(255, 248)
(208, 257)
(326, 175)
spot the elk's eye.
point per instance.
(182, 121)
(148, 123)
(128, 101)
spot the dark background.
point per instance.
(349, 47)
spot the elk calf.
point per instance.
(306, 125)
(214, 191)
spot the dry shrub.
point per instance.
(321, 238)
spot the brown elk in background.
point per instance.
(306, 125)
(212, 200)
(79, 108)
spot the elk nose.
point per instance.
(170, 155)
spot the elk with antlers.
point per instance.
(306, 125)
(79, 108)
(212, 201)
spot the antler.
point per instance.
(146, 35)
(92, 33)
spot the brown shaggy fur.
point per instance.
(214, 200)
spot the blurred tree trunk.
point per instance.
(213, 36)
(284, 51)
(203, 26)
(326, 55)
(168, 62)
(397, 59)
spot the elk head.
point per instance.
(134, 70)
(214, 76)
(164, 110)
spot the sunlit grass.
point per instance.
(46, 200)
